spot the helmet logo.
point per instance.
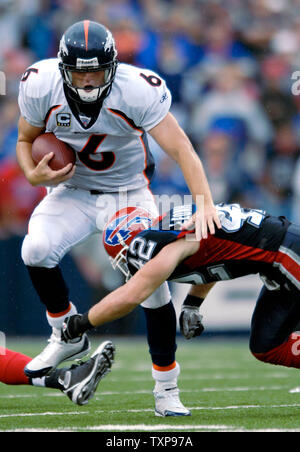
(62, 46)
(109, 43)
(120, 227)
(83, 63)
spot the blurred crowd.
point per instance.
(229, 66)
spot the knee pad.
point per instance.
(286, 354)
(36, 251)
(159, 298)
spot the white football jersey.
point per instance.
(113, 153)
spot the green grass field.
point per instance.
(223, 385)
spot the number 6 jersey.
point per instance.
(111, 146)
(250, 242)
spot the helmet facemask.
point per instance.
(120, 261)
(94, 94)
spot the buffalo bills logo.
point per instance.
(123, 227)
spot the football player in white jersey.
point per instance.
(103, 110)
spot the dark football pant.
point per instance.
(161, 334)
(275, 326)
(276, 316)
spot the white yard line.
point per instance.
(244, 407)
(212, 389)
(149, 428)
(125, 427)
(148, 391)
(46, 413)
(245, 376)
(203, 408)
(152, 428)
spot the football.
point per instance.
(47, 142)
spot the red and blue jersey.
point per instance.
(250, 242)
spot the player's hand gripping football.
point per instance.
(190, 322)
(43, 175)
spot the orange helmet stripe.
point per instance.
(86, 24)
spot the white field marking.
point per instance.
(144, 367)
(139, 427)
(46, 413)
(210, 408)
(238, 389)
(195, 408)
(18, 396)
(267, 430)
(234, 389)
(294, 390)
(243, 407)
(124, 427)
(150, 428)
(148, 391)
(245, 376)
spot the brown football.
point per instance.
(47, 142)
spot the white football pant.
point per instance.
(67, 216)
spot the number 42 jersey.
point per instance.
(112, 149)
(250, 242)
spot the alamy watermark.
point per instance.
(181, 206)
(2, 84)
(2, 93)
(2, 343)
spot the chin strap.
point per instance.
(88, 96)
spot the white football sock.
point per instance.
(38, 382)
(164, 379)
(57, 322)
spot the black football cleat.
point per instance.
(81, 380)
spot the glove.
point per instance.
(75, 326)
(190, 321)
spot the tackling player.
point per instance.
(79, 382)
(250, 242)
(104, 111)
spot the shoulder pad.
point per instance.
(141, 94)
(145, 246)
(40, 78)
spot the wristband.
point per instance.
(193, 301)
(84, 324)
